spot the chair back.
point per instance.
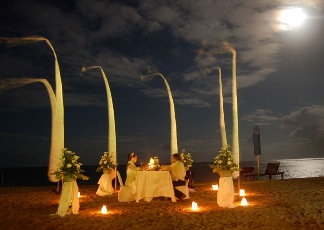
(272, 167)
(247, 170)
(120, 180)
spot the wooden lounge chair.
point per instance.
(273, 169)
(248, 172)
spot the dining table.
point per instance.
(150, 184)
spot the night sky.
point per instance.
(279, 73)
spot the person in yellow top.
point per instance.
(178, 174)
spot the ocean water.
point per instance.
(293, 168)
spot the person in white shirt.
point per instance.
(178, 173)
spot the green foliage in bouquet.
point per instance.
(69, 166)
(224, 161)
(186, 158)
(105, 162)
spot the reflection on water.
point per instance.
(302, 168)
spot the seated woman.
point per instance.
(128, 192)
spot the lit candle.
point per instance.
(244, 202)
(104, 210)
(151, 164)
(242, 192)
(79, 195)
(194, 206)
(215, 187)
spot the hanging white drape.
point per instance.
(57, 139)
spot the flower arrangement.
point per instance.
(154, 164)
(224, 161)
(186, 158)
(69, 167)
(105, 162)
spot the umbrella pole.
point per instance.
(258, 162)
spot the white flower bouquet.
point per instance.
(186, 158)
(224, 162)
(154, 164)
(105, 162)
(69, 167)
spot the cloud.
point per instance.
(307, 125)
(260, 117)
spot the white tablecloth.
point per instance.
(151, 184)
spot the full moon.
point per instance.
(291, 18)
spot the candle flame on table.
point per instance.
(104, 210)
(244, 202)
(194, 206)
(242, 192)
(215, 187)
(151, 164)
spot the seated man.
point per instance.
(178, 173)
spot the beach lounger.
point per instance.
(248, 172)
(273, 169)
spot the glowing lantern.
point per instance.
(151, 164)
(194, 206)
(104, 210)
(244, 202)
(215, 187)
(242, 192)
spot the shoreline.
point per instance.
(273, 204)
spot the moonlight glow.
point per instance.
(291, 18)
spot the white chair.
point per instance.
(120, 180)
(184, 189)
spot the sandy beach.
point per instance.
(275, 204)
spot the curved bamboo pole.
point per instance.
(221, 108)
(58, 126)
(112, 146)
(11, 83)
(174, 139)
(235, 145)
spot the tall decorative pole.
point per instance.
(57, 142)
(112, 146)
(174, 139)
(221, 107)
(111, 115)
(235, 145)
(11, 83)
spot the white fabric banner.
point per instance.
(69, 196)
(225, 195)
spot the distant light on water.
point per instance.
(302, 168)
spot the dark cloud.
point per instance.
(278, 71)
(307, 125)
